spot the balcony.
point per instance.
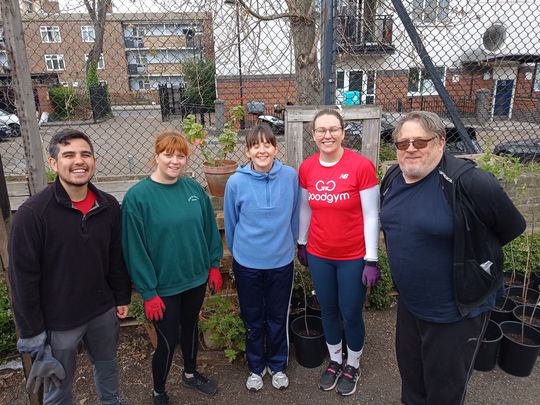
(355, 35)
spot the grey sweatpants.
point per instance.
(100, 337)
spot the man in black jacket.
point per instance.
(445, 223)
(69, 282)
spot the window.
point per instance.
(141, 59)
(144, 84)
(101, 61)
(88, 33)
(50, 34)
(430, 11)
(421, 83)
(55, 62)
(536, 83)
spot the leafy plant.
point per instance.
(221, 322)
(523, 253)
(8, 338)
(136, 308)
(506, 168)
(64, 100)
(51, 175)
(197, 135)
(379, 296)
(200, 78)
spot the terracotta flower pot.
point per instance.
(217, 176)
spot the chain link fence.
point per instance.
(123, 70)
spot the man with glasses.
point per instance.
(445, 222)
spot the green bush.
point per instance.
(199, 76)
(523, 253)
(8, 338)
(221, 320)
(65, 100)
(379, 296)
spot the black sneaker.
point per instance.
(160, 399)
(330, 376)
(347, 382)
(200, 382)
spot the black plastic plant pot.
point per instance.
(528, 314)
(519, 349)
(309, 346)
(313, 307)
(293, 314)
(520, 297)
(503, 310)
(486, 357)
(514, 279)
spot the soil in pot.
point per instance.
(519, 349)
(503, 310)
(513, 279)
(517, 295)
(486, 357)
(528, 314)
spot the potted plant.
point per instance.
(307, 332)
(216, 167)
(136, 310)
(222, 326)
(51, 176)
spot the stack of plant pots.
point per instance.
(515, 327)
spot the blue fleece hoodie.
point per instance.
(261, 216)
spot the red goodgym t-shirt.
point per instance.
(336, 229)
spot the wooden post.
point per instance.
(5, 224)
(24, 95)
(296, 116)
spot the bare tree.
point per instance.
(97, 10)
(302, 17)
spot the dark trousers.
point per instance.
(181, 312)
(100, 337)
(264, 297)
(341, 295)
(436, 360)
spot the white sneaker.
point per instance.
(280, 381)
(255, 381)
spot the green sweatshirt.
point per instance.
(170, 238)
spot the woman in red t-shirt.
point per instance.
(339, 233)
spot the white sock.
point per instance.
(335, 352)
(353, 358)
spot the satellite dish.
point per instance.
(494, 37)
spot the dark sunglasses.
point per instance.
(417, 143)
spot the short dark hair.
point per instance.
(260, 133)
(63, 137)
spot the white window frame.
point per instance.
(146, 84)
(101, 61)
(51, 59)
(50, 34)
(426, 87)
(536, 77)
(422, 14)
(88, 33)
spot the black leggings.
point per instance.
(181, 312)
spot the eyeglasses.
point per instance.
(320, 132)
(417, 143)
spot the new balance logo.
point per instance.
(344, 176)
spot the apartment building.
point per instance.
(140, 50)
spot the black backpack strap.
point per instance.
(388, 179)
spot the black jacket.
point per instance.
(65, 268)
(485, 219)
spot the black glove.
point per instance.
(45, 370)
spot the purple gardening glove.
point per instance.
(371, 274)
(301, 254)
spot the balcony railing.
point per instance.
(365, 35)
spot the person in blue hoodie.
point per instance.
(261, 227)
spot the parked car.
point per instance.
(526, 150)
(12, 121)
(6, 132)
(454, 143)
